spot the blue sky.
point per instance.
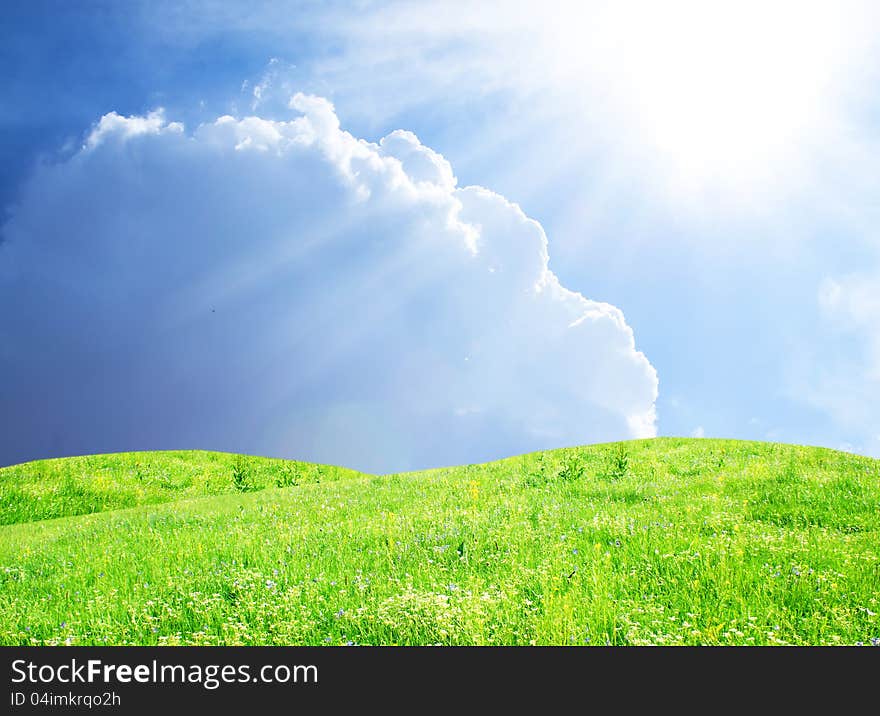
(708, 172)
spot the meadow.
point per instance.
(93, 483)
(665, 541)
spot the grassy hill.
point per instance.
(79, 485)
(666, 541)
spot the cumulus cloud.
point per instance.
(284, 288)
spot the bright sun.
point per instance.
(716, 92)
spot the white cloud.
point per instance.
(116, 127)
(698, 432)
(282, 287)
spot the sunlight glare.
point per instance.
(730, 92)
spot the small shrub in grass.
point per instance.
(241, 475)
(538, 475)
(572, 468)
(287, 476)
(618, 464)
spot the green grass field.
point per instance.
(666, 541)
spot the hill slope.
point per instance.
(45, 489)
(656, 541)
